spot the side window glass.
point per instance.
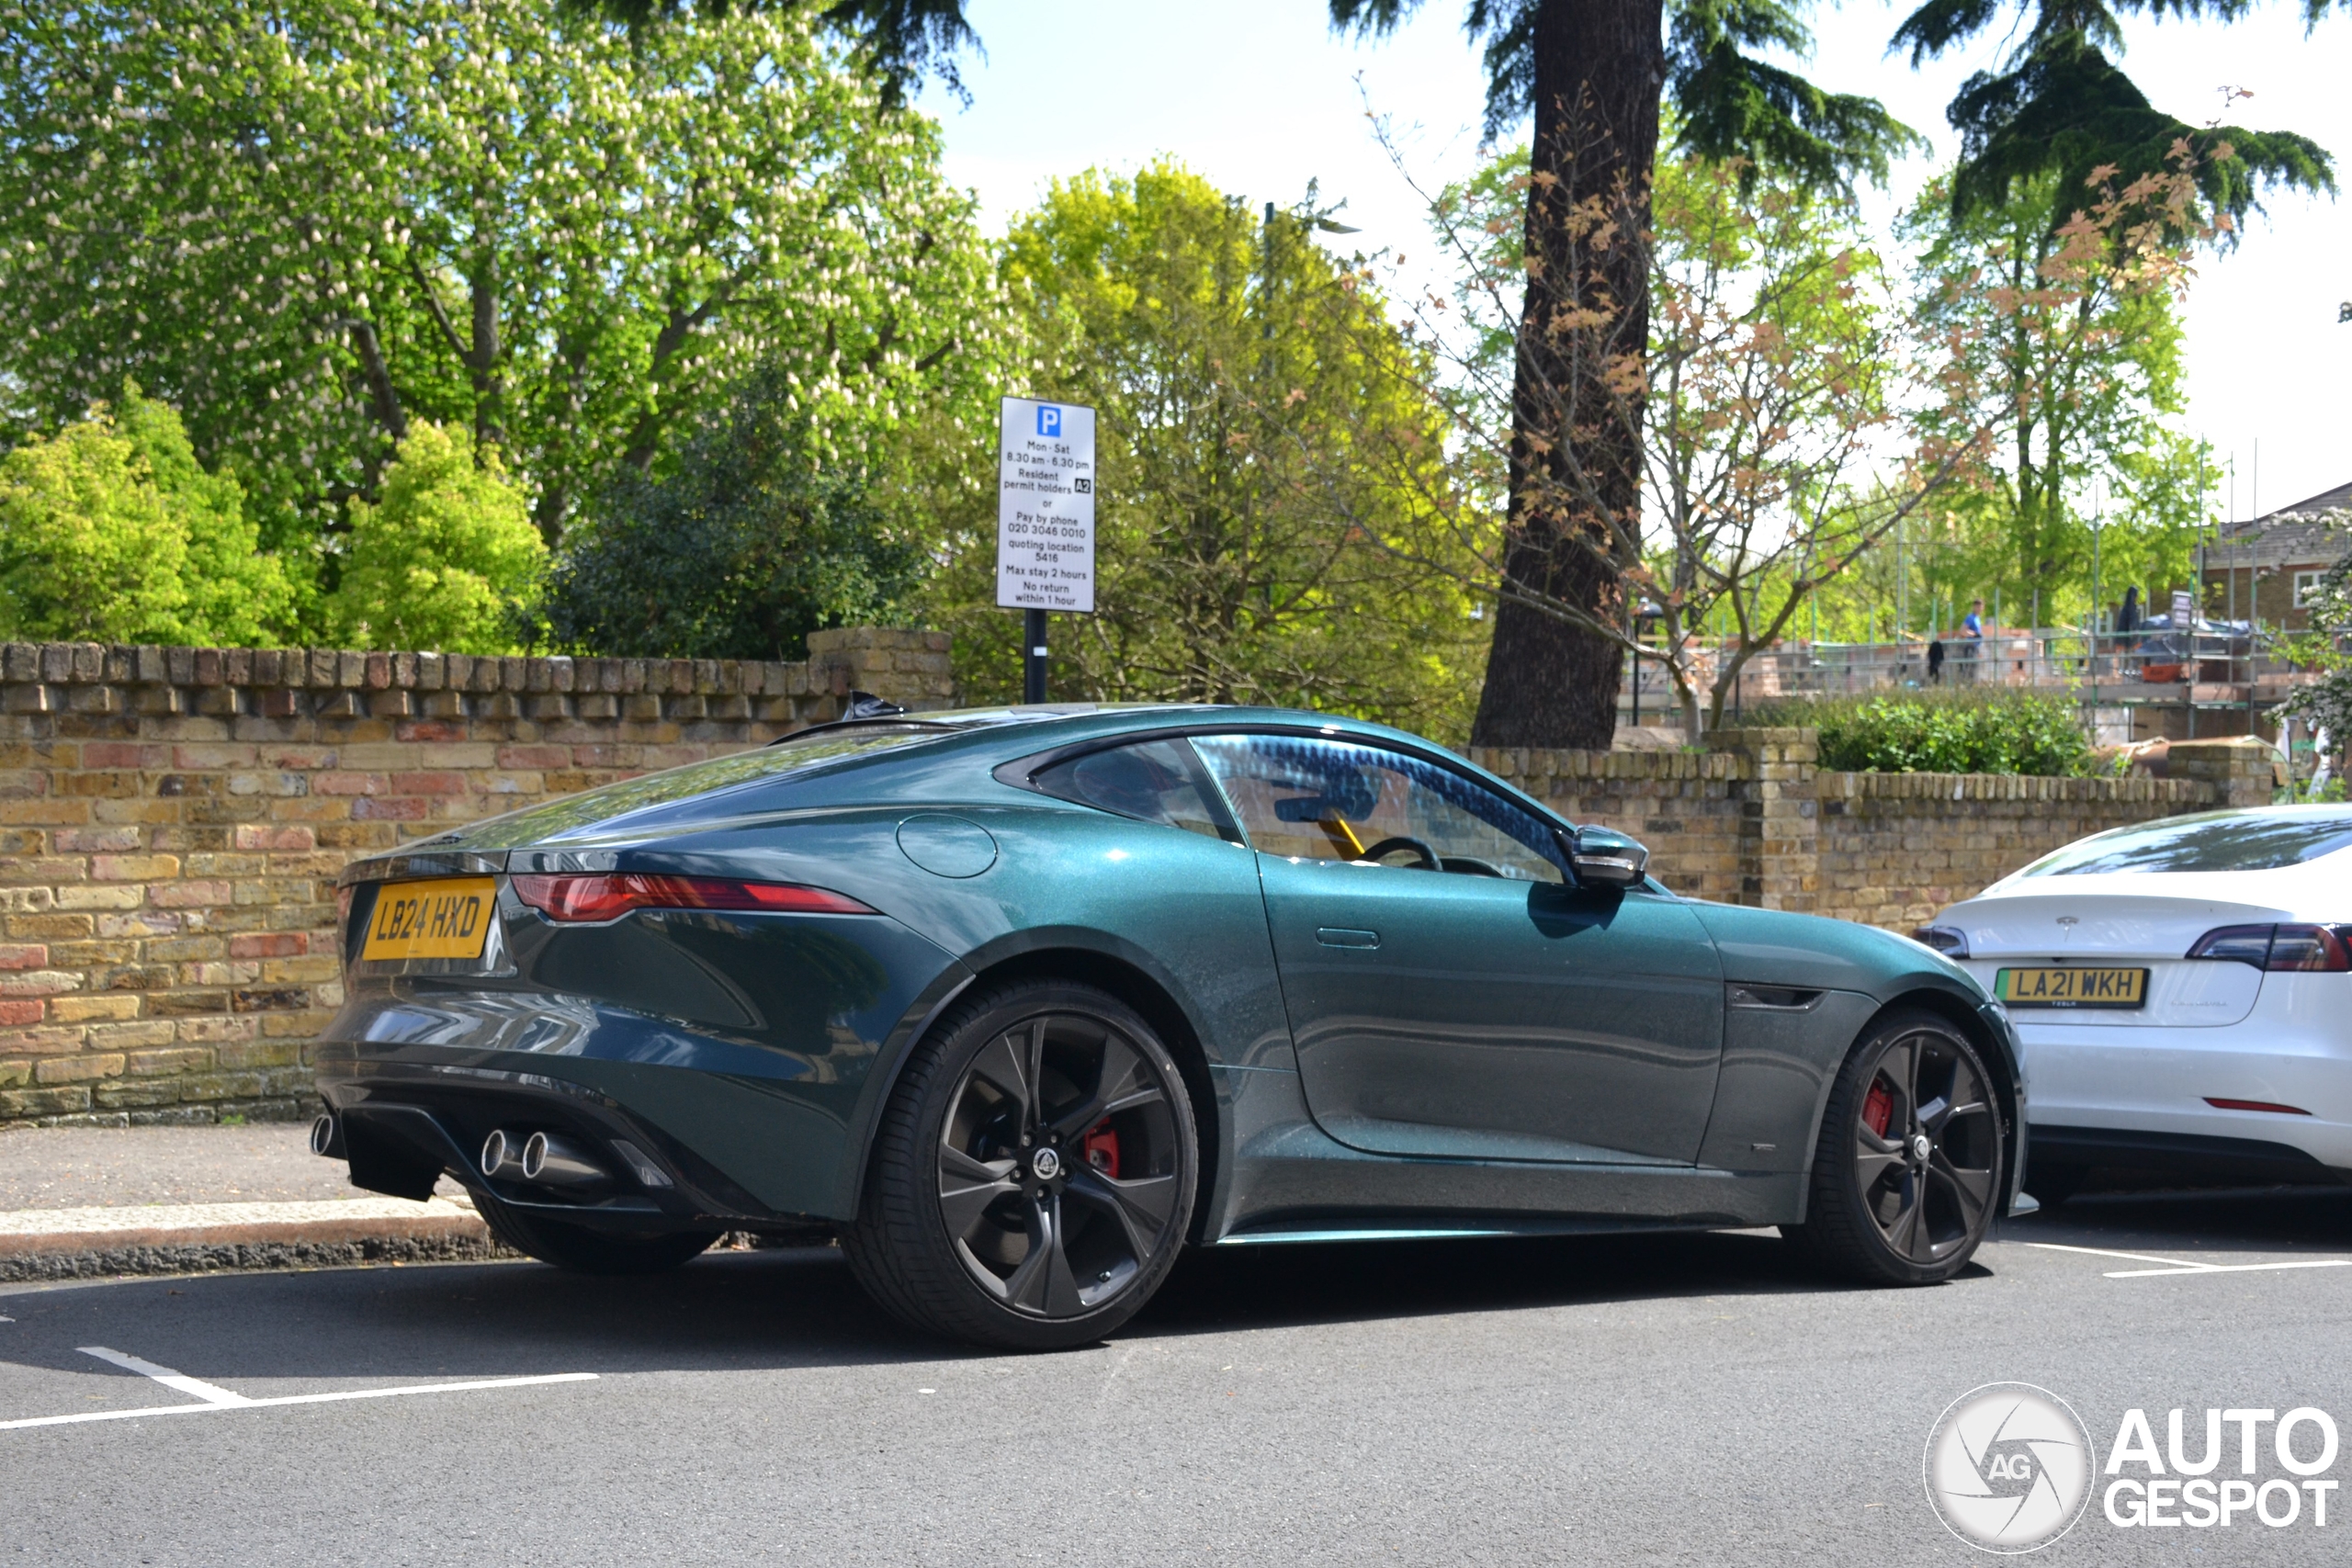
(1158, 780)
(1313, 799)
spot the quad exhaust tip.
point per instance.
(501, 1156)
(541, 1159)
(560, 1162)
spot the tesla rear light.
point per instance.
(1944, 940)
(2282, 948)
(602, 897)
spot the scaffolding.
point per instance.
(2209, 681)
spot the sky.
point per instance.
(1260, 97)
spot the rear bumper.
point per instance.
(748, 1053)
(404, 1124)
(2103, 1085)
(2184, 1155)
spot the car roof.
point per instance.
(765, 777)
(1024, 728)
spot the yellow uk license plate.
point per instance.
(2072, 986)
(447, 917)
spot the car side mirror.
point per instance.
(1605, 858)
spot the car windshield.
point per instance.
(2216, 841)
(797, 753)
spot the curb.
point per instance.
(79, 1244)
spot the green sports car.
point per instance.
(1018, 1003)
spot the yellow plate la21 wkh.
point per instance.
(2072, 986)
(447, 917)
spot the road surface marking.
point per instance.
(179, 1383)
(2231, 1268)
(2187, 1265)
(218, 1399)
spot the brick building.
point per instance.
(2264, 569)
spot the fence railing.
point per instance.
(2206, 667)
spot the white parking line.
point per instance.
(2188, 1266)
(177, 1381)
(216, 1398)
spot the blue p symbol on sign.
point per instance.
(1049, 419)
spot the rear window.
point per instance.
(2218, 841)
(793, 754)
(1156, 781)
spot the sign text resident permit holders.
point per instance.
(1044, 513)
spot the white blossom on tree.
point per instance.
(309, 224)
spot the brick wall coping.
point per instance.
(1522, 763)
(2010, 787)
(34, 665)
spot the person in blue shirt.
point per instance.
(1972, 639)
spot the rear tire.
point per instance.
(1907, 1177)
(585, 1251)
(1032, 1176)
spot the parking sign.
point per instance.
(1045, 514)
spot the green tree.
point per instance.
(744, 546)
(1593, 76)
(1590, 73)
(1245, 465)
(1779, 375)
(447, 561)
(311, 223)
(237, 594)
(2065, 306)
(2058, 112)
(112, 532)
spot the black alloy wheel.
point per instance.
(1905, 1183)
(1032, 1176)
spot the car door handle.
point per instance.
(1339, 936)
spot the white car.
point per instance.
(2182, 989)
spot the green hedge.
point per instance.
(1964, 731)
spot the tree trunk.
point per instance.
(482, 366)
(1575, 441)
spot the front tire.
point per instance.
(585, 1251)
(1033, 1174)
(1906, 1177)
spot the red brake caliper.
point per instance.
(1877, 1108)
(1102, 1150)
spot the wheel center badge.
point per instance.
(1045, 1164)
(1920, 1147)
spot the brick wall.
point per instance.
(1686, 806)
(1895, 848)
(1753, 821)
(172, 822)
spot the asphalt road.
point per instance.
(1688, 1399)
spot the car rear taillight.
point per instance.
(2282, 948)
(2319, 948)
(1944, 940)
(585, 896)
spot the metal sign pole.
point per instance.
(1045, 538)
(1033, 656)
